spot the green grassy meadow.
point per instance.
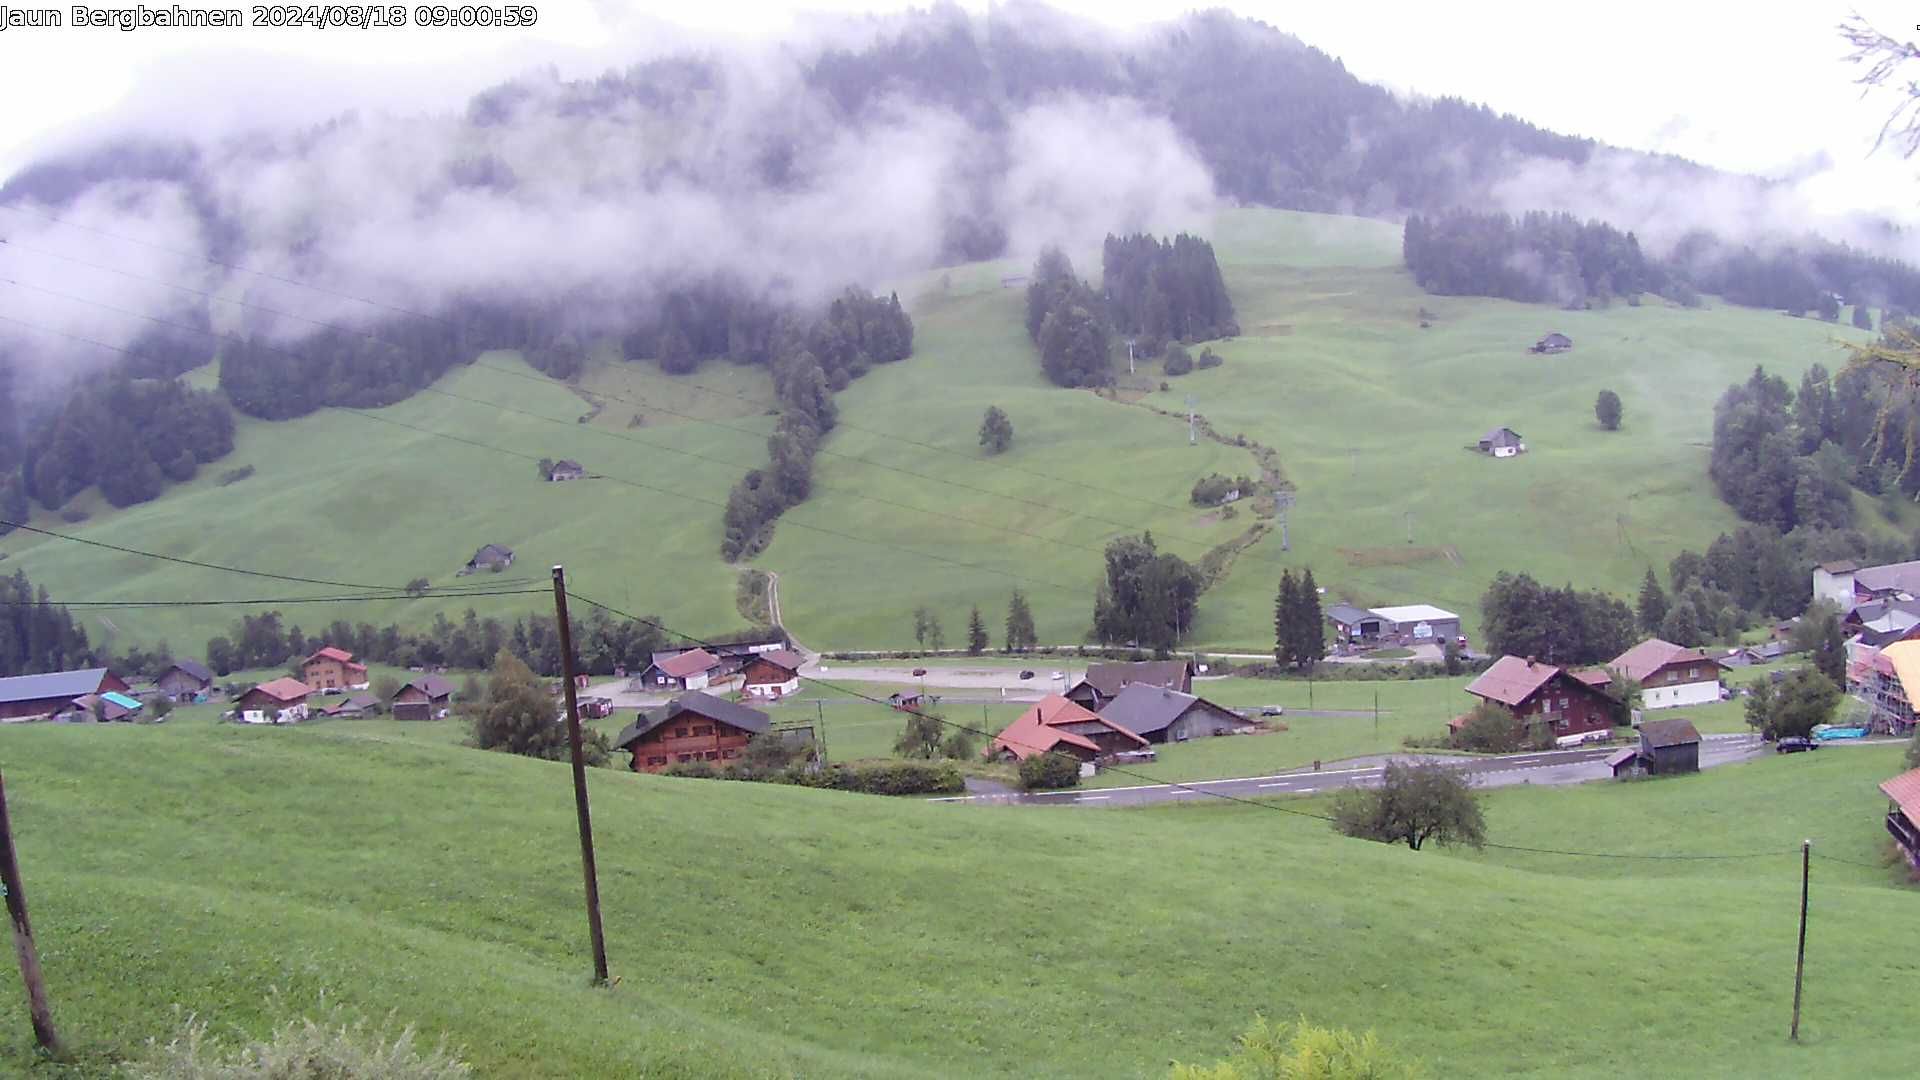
(240, 874)
(1368, 413)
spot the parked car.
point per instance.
(1793, 744)
(919, 671)
(1272, 710)
(1026, 674)
(1058, 676)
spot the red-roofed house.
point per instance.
(333, 669)
(1903, 816)
(1539, 693)
(1670, 675)
(773, 675)
(1054, 723)
(282, 701)
(690, 670)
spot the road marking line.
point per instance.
(1092, 798)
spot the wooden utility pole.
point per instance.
(580, 779)
(820, 711)
(29, 957)
(1800, 960)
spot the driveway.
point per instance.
(1543, 767)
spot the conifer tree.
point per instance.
(1652, 610)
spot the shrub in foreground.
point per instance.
(1050, 770)
(1304, 1051)
(303, 1049)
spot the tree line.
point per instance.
(601, 643)
(1164, 291)
(1782, 459)
(857, 331)
(36, 635)
(1521, 617)
(1067, 320)
(1536, 257)
(130, 436)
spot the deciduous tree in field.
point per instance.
(921, 738)
(1606, 409)
(996, 431)
(522, 718)
(1415, 802)
(1792, 708)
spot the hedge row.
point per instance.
(871, 778)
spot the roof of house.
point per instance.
(51, 684)
(491, 552)
(128, 703)
(1406, 613)
(331, 653)
(1501, 436)
(1556, 336)
(1843, 566)
(1512, 680)
(1596, 677)
(353, 703)
(1621, 757)
(1900, 577)
(687, 663)
(1044, 727)
(1143, 709)
(1653, 654)
(1110, 679)
(781, 658)
(1660, 734)
(567, 463)
(282, 689)
(752, 721)
(1347, 614)
(431, 685)
(193, 668)
(1905, 790)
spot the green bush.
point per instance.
(1208, 359)
(892, 778)
(694, 770)
(1050, 770)
(299, 1050)
(1178, 361)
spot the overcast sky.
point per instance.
(1730, 85)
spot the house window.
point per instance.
(657, 760)
(684, 758)
(1561, 723)
(729, 753)
(713, 755)
(679, 733)
(703, 729)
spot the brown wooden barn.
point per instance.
(33, 697)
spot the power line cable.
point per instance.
(1187, 787)
(137, 605)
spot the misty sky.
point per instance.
(1716, 82)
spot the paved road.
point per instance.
(1544, 767)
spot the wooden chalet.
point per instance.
(39, 697)
(333, 669)
(1903, 814)
(423, 697)
(1539, 693)
(1058, 724)
(772, 675)
(1103, 682)
(185, 680)
(692, 727)
(281, 701)
(1670, 675)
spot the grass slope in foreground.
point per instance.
(769, 931)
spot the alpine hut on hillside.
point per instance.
(1501, 442)
(1555, 342)
(494, 557)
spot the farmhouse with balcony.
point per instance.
(1572, 706)
(692, 727)
(1670, 675)
(1903, 814)
(772, 675)
(333, 669)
